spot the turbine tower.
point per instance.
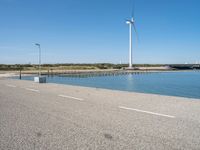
(131, 24)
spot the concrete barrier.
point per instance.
(40, 79)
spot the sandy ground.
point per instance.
(3, 75)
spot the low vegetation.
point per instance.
(15, 67)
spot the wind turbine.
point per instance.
(131, 24)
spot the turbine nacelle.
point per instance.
(130, 21)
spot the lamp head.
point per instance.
(37, 44)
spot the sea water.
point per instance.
(183, 84)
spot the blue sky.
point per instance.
(94, 31)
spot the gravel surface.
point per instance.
(58, 117)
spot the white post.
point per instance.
(130, 45)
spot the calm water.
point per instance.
(183, 84)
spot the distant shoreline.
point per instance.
(86, 72)
(94, 67)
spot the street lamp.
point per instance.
(39, 58)
(39, 78)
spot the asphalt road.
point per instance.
(57, 117)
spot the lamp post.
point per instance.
(39, 58)
(39, 78)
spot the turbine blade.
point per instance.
(132, 8)
(137, 37)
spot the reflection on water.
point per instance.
(184, 84)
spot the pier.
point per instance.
(95, 73)
(104, 73)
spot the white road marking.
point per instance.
(148, 112)
(71, 97)
(10, 85)
(33, 90)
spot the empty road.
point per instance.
(62, 117)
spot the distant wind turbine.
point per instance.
(131, 24)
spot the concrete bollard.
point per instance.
(40, 79)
